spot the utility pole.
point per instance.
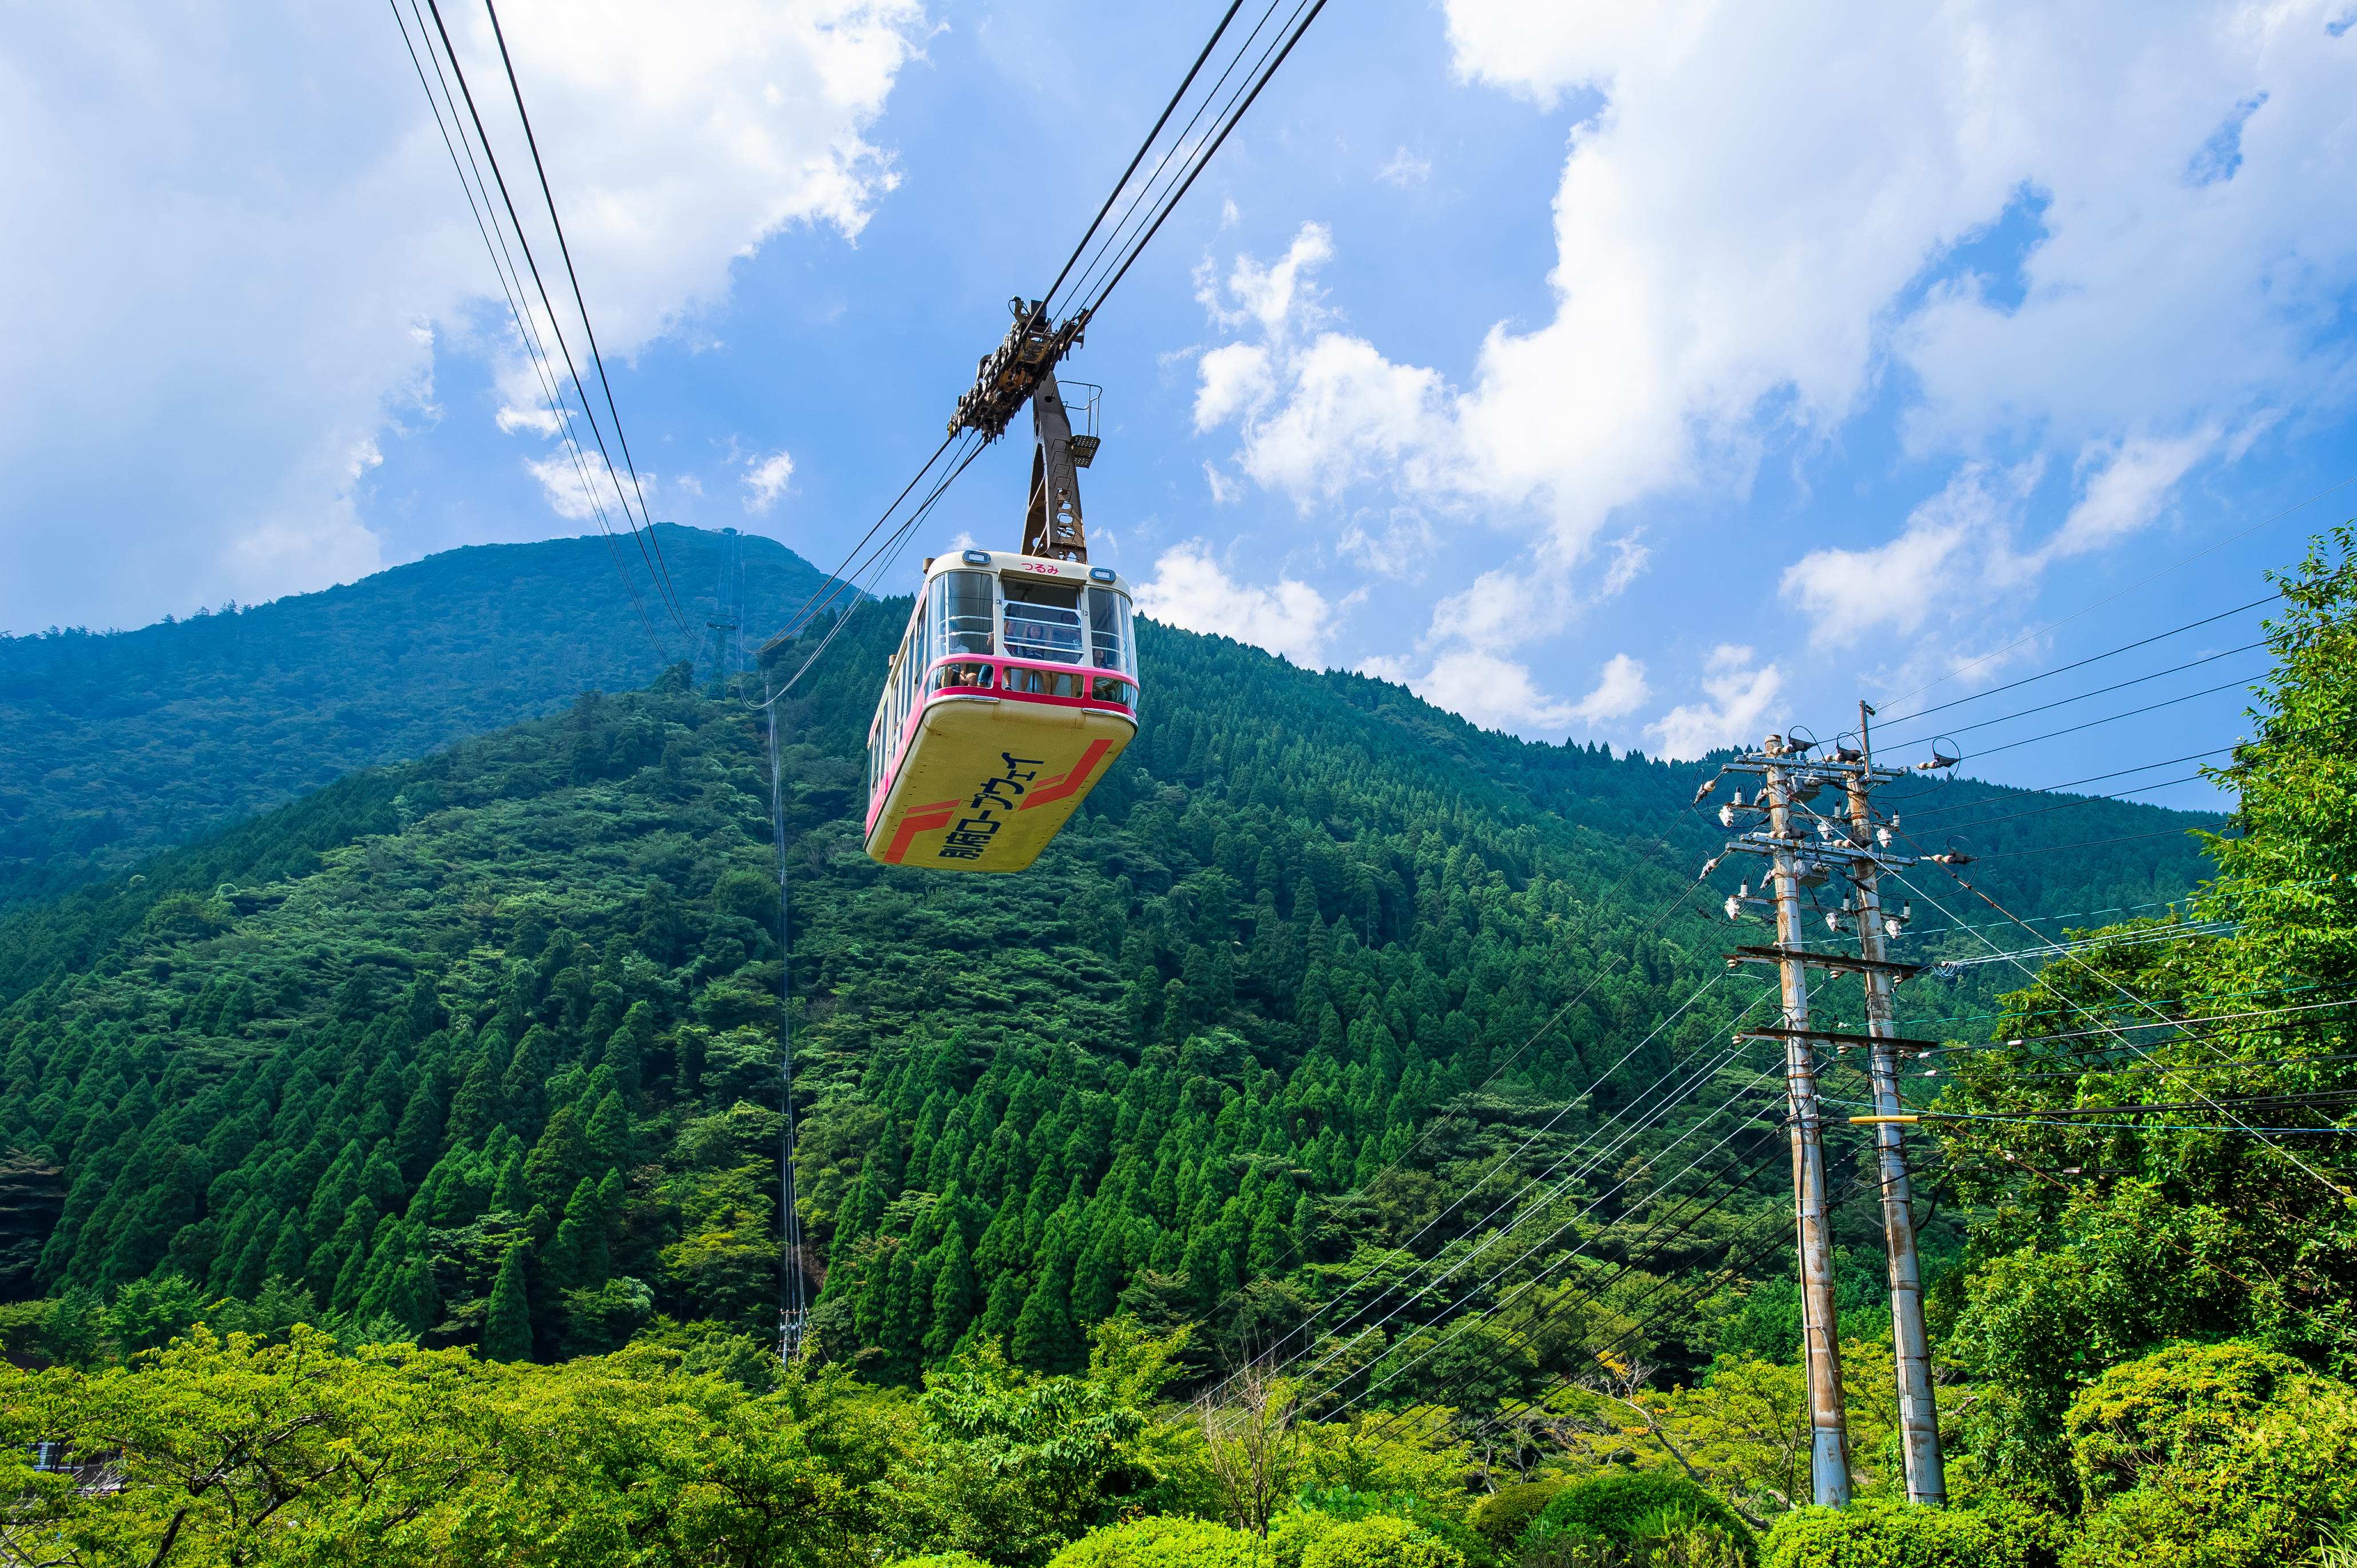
(1828, 1424)
(1918, 1421)
(1787, 779)
(1845, 842)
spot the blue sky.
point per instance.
(1652, 374)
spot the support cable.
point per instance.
(2132, 588)
(532, 263)
(1144, 147)
(670, 595)
(2302, 1165)
(511, 287)
(1547, 1201)
(1205, 161)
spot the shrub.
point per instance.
(1437, 1520)
(1292, 1533)
(1623, 1508)
(1380, 1541)
(942, 1559)
(1874, 1534)
(2168, 1406)
(2250, 1490)
(1164, 1542)
(1504, 1515)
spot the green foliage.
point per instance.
(2103, 1240)
(1504, 1514)
(2168, 1408)
(1872, 1533)
(1379, 1541)
(189, 724)
(1164, 1542)
(1628, 1508)
(2216, 1453)
(241, 1452)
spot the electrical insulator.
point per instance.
(1882, 837)
(1890, 926)
(1905, 912)
(1734, 909)
(1738, 797)
(1832, 919)
(1726, 816)
(1743, 890)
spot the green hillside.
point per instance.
(482, 1047)
(115, 744)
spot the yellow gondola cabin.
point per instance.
(1013, 690)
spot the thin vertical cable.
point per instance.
(792, 1307)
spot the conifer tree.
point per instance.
(507, 1327)
(417, 1137)
(952, 1304)
(478, 1105)
(558, 1161)
(608, 1141)
(626, 1048)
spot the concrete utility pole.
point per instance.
(1918, 1421)
(1820, 1325)
(1798, 861)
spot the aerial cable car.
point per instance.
(1015, 687)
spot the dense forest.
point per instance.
(114, 744)
(1336, 1036)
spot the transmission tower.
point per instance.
(1800, 861)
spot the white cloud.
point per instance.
(1230, 380)
(1740, 697)
(1405, 169)
(234, 279)
(1768, 223)
(1959, 553)
(1492, 692)
(1943, 556)
(1279, 297)
(580, 486)
(2132, 479)
(765, 481)
(1191, 589)
(1619, 691)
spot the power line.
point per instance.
(2090, 843)
(2098, 692)
(511, 287)
(2123, 992)
(532, 263)
(2082, 663)
(1144, 147)
(1675, 902)
(1528, 1253)
(587, 329)
(2110, 718)
(2132, 588)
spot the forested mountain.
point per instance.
(483, 1046)
(114, 744)
(1333, 1027)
